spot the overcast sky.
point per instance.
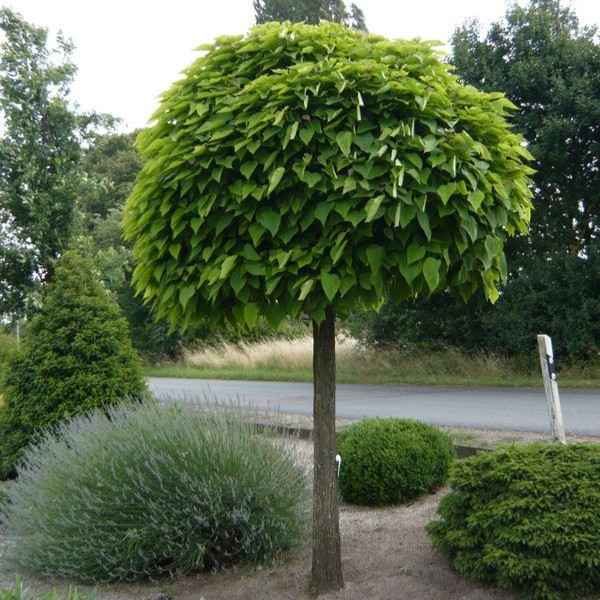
(129, 51)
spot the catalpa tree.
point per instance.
(304, 169)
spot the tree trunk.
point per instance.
(326, 560)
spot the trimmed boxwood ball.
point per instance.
(526, 517)
(390, 461)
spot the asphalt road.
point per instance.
(490, 408)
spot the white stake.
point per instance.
(551, 386)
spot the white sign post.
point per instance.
(551, 386)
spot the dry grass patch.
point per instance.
(270, 354)
(355, 362)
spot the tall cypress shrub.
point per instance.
(77, 357)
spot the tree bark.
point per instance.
(326, 559)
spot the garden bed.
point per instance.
(386, 554)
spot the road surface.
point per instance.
(488, 408)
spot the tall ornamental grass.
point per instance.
(146, 491)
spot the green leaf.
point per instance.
(306, 134)
(322, 211)
(445, 191)
(365, 141)
(430, 142)
(269, 219)
(344, 141)
(251, 314)
(407, 214)
(431, 271)
(195, 224)
(423, 219)
(414, 252)
(186, 294)
(348, 282)
(410, 272)
(305, 289)
(493, 246)
(275, 178)
(237, 281)
(311, 178)
(338, 250)
(272, 284)
(248, 168)
(349, 185)
(470, 226)
(331, 284)
(375, 256)
(256, 232)
(476, 197)
(373, 206)
(293, 130)
(227, 266)
(158, 271)
(415, 159)
(174, 250)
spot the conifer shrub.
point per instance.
(390, 461)
(150, 490)
(8, 346)
(526, 517)
(77, 357)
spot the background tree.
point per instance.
(110, 165)
(310, 168)
(77, 357)
(310, 11)
(549, 67)
(40, 150)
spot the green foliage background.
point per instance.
(40, 153)
(309, 11)
(559, 295)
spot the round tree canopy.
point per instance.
(301, 166)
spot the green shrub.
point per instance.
(8, 346)
(526, 517)
(150, 490)
(388, 461)
(77, 357)
(22, 593)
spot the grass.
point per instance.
(291, 360)
(20, 592)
